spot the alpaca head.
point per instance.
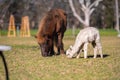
(70, 53)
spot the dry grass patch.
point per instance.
(25, 62)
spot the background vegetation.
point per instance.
(103, 16)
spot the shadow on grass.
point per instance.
(5, 65)
(98, 56)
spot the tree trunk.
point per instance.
(87, 8)
(117, 18)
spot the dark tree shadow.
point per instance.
(5, 65)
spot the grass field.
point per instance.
(25, 62)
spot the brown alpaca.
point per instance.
(51, 30)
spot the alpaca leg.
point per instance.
(85, 50)
(100, 49)
(60, 44)
(95, 49)
(78, 53)
(78, 56)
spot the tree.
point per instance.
(107, 14)
(117, 17)
(4, 5)
(87, 6)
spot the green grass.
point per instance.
(25, 62)
(103, 32)
(108, 32)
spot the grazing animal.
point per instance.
(51, 30)
(85, 36)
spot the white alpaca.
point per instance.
(85, 36)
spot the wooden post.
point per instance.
(11, 27)
(25, 29)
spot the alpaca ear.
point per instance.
(35, 36)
